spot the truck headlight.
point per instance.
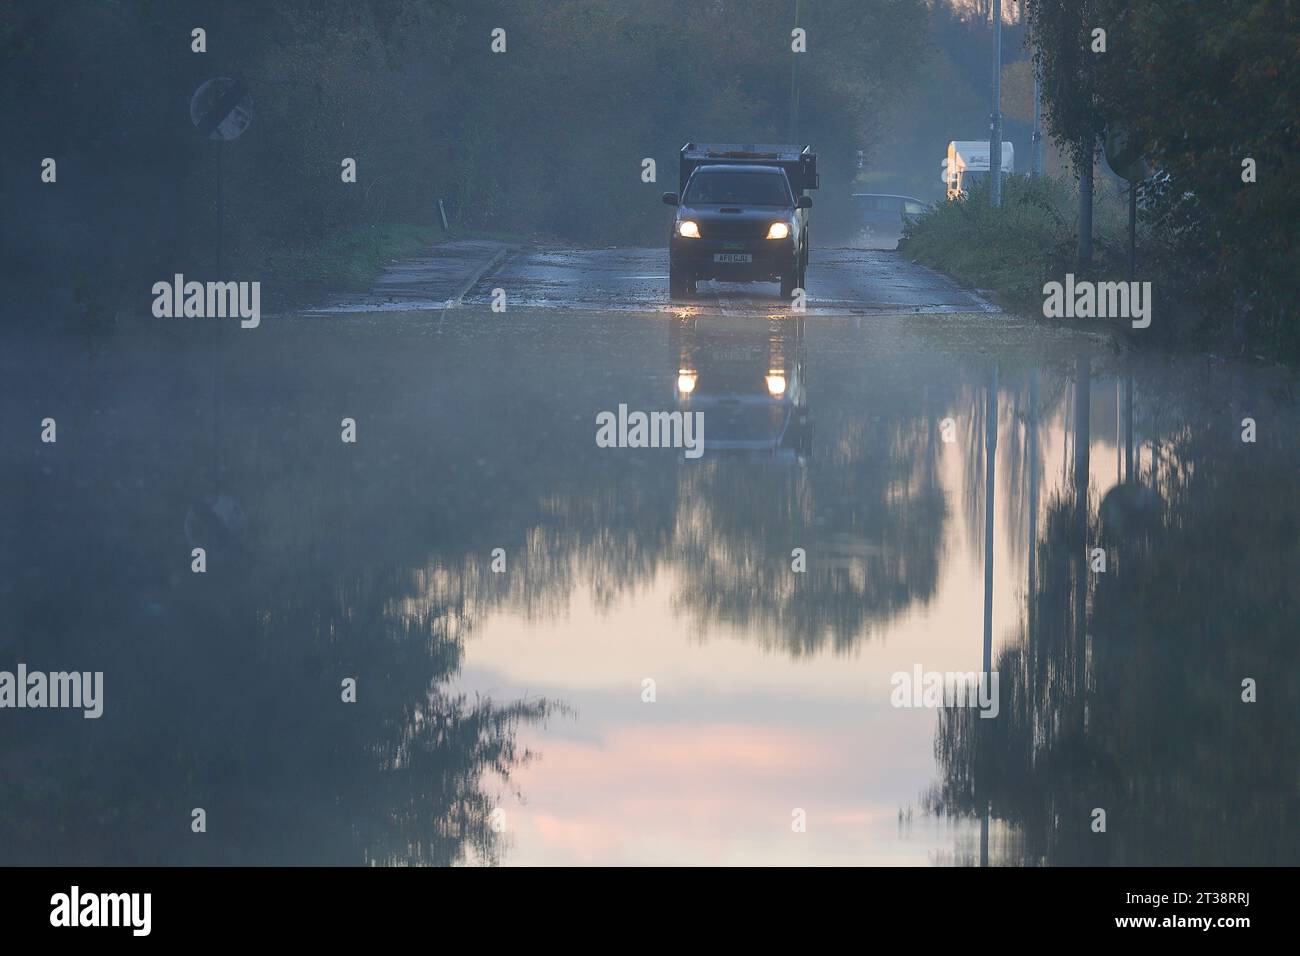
(778, 230)
(688, 229)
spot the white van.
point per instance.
(968, 163)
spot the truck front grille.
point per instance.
(739, 229)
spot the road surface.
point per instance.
(465, 274)
(840, 282)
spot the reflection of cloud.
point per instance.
(704, 793)
(719, 751)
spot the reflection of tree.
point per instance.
(233, 704)
(222, 691)
(1031, 404)
(431, 802)
(868, 509)
(1125, 693)
(1025, 409)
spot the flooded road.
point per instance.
(567, 653)
(840, 282)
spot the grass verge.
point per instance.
(1011, 251)
(348, 261)
(300, 270)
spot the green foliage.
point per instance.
(1013, 249)
(551, 134)
(547, 137)
(1061, 35)
(1204, 84)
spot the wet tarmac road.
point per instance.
(840, 282)
(467, 273)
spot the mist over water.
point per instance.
(522, 690)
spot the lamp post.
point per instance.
(995, 140)
(794, 85)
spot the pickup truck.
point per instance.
(742, 216)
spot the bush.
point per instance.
(1011, 250)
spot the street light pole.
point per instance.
(995, 137)
(794, 85)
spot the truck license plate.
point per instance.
(733, 257)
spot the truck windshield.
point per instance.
(740, 189)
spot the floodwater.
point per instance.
(640, 674)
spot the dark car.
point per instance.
(880, 218)
(738, 223)
(742, 214)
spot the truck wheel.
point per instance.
(679, 286)
(789, 282)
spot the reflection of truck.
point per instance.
(968, 163)
(742, 215)
(748, 378)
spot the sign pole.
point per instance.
(1126, 161)
(1132, 230)
(221, 109)
(221, 208)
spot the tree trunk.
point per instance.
(1085, 205)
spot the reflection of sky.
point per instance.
(739, 736)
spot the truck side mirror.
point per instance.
(803, 202)
(670, 199)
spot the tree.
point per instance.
(1208, 86)
(1205, 86)
(1061, 32)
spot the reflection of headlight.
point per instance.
(776, 385)
(685, 382)
(778, 230)
(688, 229)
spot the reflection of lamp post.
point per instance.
(1032, 427)
(990, 475)
(990, 470)
(1128, 427)
(1082, 439)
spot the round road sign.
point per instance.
(1125, 159)
(221, 108)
